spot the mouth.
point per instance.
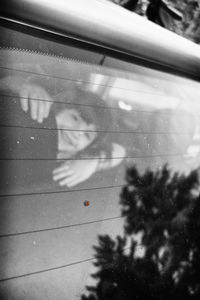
(67, 138)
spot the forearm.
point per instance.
(103, 163)
(12, 83)
(117, 156)
(27, 74)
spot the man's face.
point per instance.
(79, 133)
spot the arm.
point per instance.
(118, 154)
(74, 172)
(11, 83)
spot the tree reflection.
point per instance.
(164, 208)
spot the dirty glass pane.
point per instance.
(71, 122)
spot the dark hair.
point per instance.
(93, 110)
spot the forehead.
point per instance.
(67, 112)
(85, 114)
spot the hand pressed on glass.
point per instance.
(35, 99)
(74, 172)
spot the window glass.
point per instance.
(71, 122)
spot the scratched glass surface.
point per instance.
(71, 122)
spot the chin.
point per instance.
(63, 146)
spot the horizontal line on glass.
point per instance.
(62, 191)
(94, 158)
(57, 228)
(54, 268)
(79, 80)
(91, 105)
(96, 131)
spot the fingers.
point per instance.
(33, 109)
(24, 100)
(66, 176)
(37, 100)
(47, 107)
(63, 174)
(63, 167)
(71, 181)
(67, 181)
(73, 172)
(40, 112)
(43, 110)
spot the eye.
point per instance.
(75, 117)
(87, 135)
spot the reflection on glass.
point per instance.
(82, 130)
(68, 131)
(103, 114)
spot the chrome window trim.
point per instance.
(108, 26)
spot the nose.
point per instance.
(74, 136)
